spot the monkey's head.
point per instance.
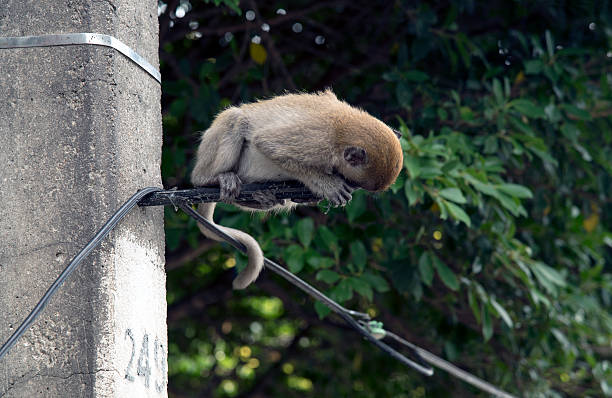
(368, 151)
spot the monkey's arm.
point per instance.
(219, 150)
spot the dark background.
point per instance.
(493, 248)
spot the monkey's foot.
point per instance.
(229, 186)
(267, 199)
(263, 200)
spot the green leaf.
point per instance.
(453, 194)
(515, 190)
(509, 203)
(527, 108)
(466, 113)
(443, 208)
(462, 42)
(399, 183)
(413, 166)
(458, 213)
(545, 282)
(322, 309)
(536, 295)
(501, 311)
(294, 256)
(359, 254)
(456, 97)
(320, 262)
(570, 131)
(491, 145)
(305, 231)
(550, 45)
(533, 66)
(403, 94)
(451, 166)
(519, 125)
(378, 282)
(549, 273)
(425, 268)
(552, 113)
(392, 76)
(416, 76)
(357, 206)
(362, 287)
(329, 238)
(487, 325)
(431, 171)
(561, 338)
(485, 188)
(497, 92)
(577, 112)
(343, 291)
(447, 276)
(328, 276)
(472, 301)
(411, 194)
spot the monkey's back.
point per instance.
(297, 112)
(313, 130)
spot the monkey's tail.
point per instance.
(256, 258)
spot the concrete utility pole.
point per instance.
(80, 131)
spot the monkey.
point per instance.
(330, 146)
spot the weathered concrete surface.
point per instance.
(80, 131)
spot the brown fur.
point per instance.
(317, 139)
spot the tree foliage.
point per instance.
(492, 249)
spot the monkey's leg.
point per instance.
(220, 148)
(229, 186)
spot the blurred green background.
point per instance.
(494, 247)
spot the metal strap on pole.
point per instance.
(68, 39)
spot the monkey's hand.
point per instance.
(229, 186)
(333, 188)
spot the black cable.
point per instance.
(92, 244)
(423, 357)
(294, 190)
(331, 304)
(155, 196)
(452, 369)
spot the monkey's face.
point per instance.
(353, 167)
(368, 151)
(373, 170)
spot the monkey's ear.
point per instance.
(397, 133)
(355, 156)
